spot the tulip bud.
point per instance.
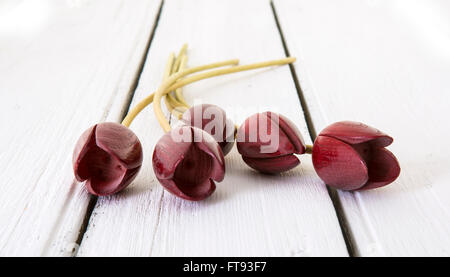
(352, 156)
(268, 141)
(108, 157)
(187, 161)
(213, 120)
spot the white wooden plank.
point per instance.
(249, 214)
(64, 65)
(385, 63)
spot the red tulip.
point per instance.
(352, 156)
(213, 120)
(187, 161)
(108, 157)
(268, 141)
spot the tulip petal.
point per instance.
(100, 161)
(194, 167)
(383, 169)
(169, 153)
(192, 193)
(213, 120)
(292, 132)
(272, 165)
(229, 137)
(252, 137)
(187, 169)
(119, 141)
(102, 171)
(108, 183)
(338, 164)
(84, 143)
(355, 132)
(201, 115)
(209, 146)
(192, 176)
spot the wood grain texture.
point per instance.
(250, 213)
(64, 65)
(387, 64)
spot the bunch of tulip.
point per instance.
(189, 159)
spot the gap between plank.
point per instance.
(127, 104)
(142, 64)
(343, 222)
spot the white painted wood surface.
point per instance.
(385, 63)
(249, 214)
(64, 65)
